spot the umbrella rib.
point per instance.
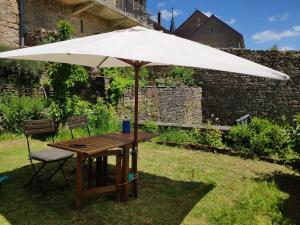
(102, 61)
(134, 63)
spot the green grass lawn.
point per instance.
(177, 186)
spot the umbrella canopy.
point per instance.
(142, 44)
(137, 47)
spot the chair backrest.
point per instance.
(78, 122)
(38, 127)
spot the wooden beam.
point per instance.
(82, 8)
(99, 190)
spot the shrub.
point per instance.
(118, 86)
(176, 76)
(296, 133)
(122, 80)
(15, 109)
(20, 67)
(261, 137)
(102, 116)
(151, 126)
(65, 79)
(176, 136)
(182, 75)
(210, 136)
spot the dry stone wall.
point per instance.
(9, 22)
(229, 96)
(44, 14)
(166, 104)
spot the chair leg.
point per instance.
(60, 165)
(36, 176)
(52, 174)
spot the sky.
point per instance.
(264, 23)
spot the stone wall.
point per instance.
(9, 22)
(20, 77)
(45, 14)
(229, 96)
(165, 104)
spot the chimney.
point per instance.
(159, 17)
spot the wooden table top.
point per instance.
(99, 143)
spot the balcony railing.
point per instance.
(130, 8)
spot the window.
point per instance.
(81, 26)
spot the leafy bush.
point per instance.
(15, 109)
(122, 80)
(119, 85)
(65, 79)
(150, 126)
(182, 75)
(102, 116)
(175, 76)
(176, 136)
(296, 133)
(261, 137)
(20, 66)
(210, 136)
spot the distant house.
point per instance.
(211, 31)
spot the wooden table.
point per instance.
(94, 146)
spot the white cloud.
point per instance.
(286, 48)
(272, 18)
(296, 28)
(161, 4)
(282, 17)
(232, 21)
(271, 35)
(208, 13)
(167, 15)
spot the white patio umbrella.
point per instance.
(137, 47)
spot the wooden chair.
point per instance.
(46, 156)
(78, 122)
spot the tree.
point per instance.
(65, 79)
(274, 48)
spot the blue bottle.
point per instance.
(126, 126)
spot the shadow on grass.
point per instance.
(289, 184)
(162, 201)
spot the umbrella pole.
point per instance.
(136, 119)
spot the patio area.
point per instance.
(177, 186)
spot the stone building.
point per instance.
(18, 18)
(210, 31)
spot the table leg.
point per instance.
(118, 176)
(99, 166)
(90, 172)
(125, 173)
(79, 180)
(104, 169)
